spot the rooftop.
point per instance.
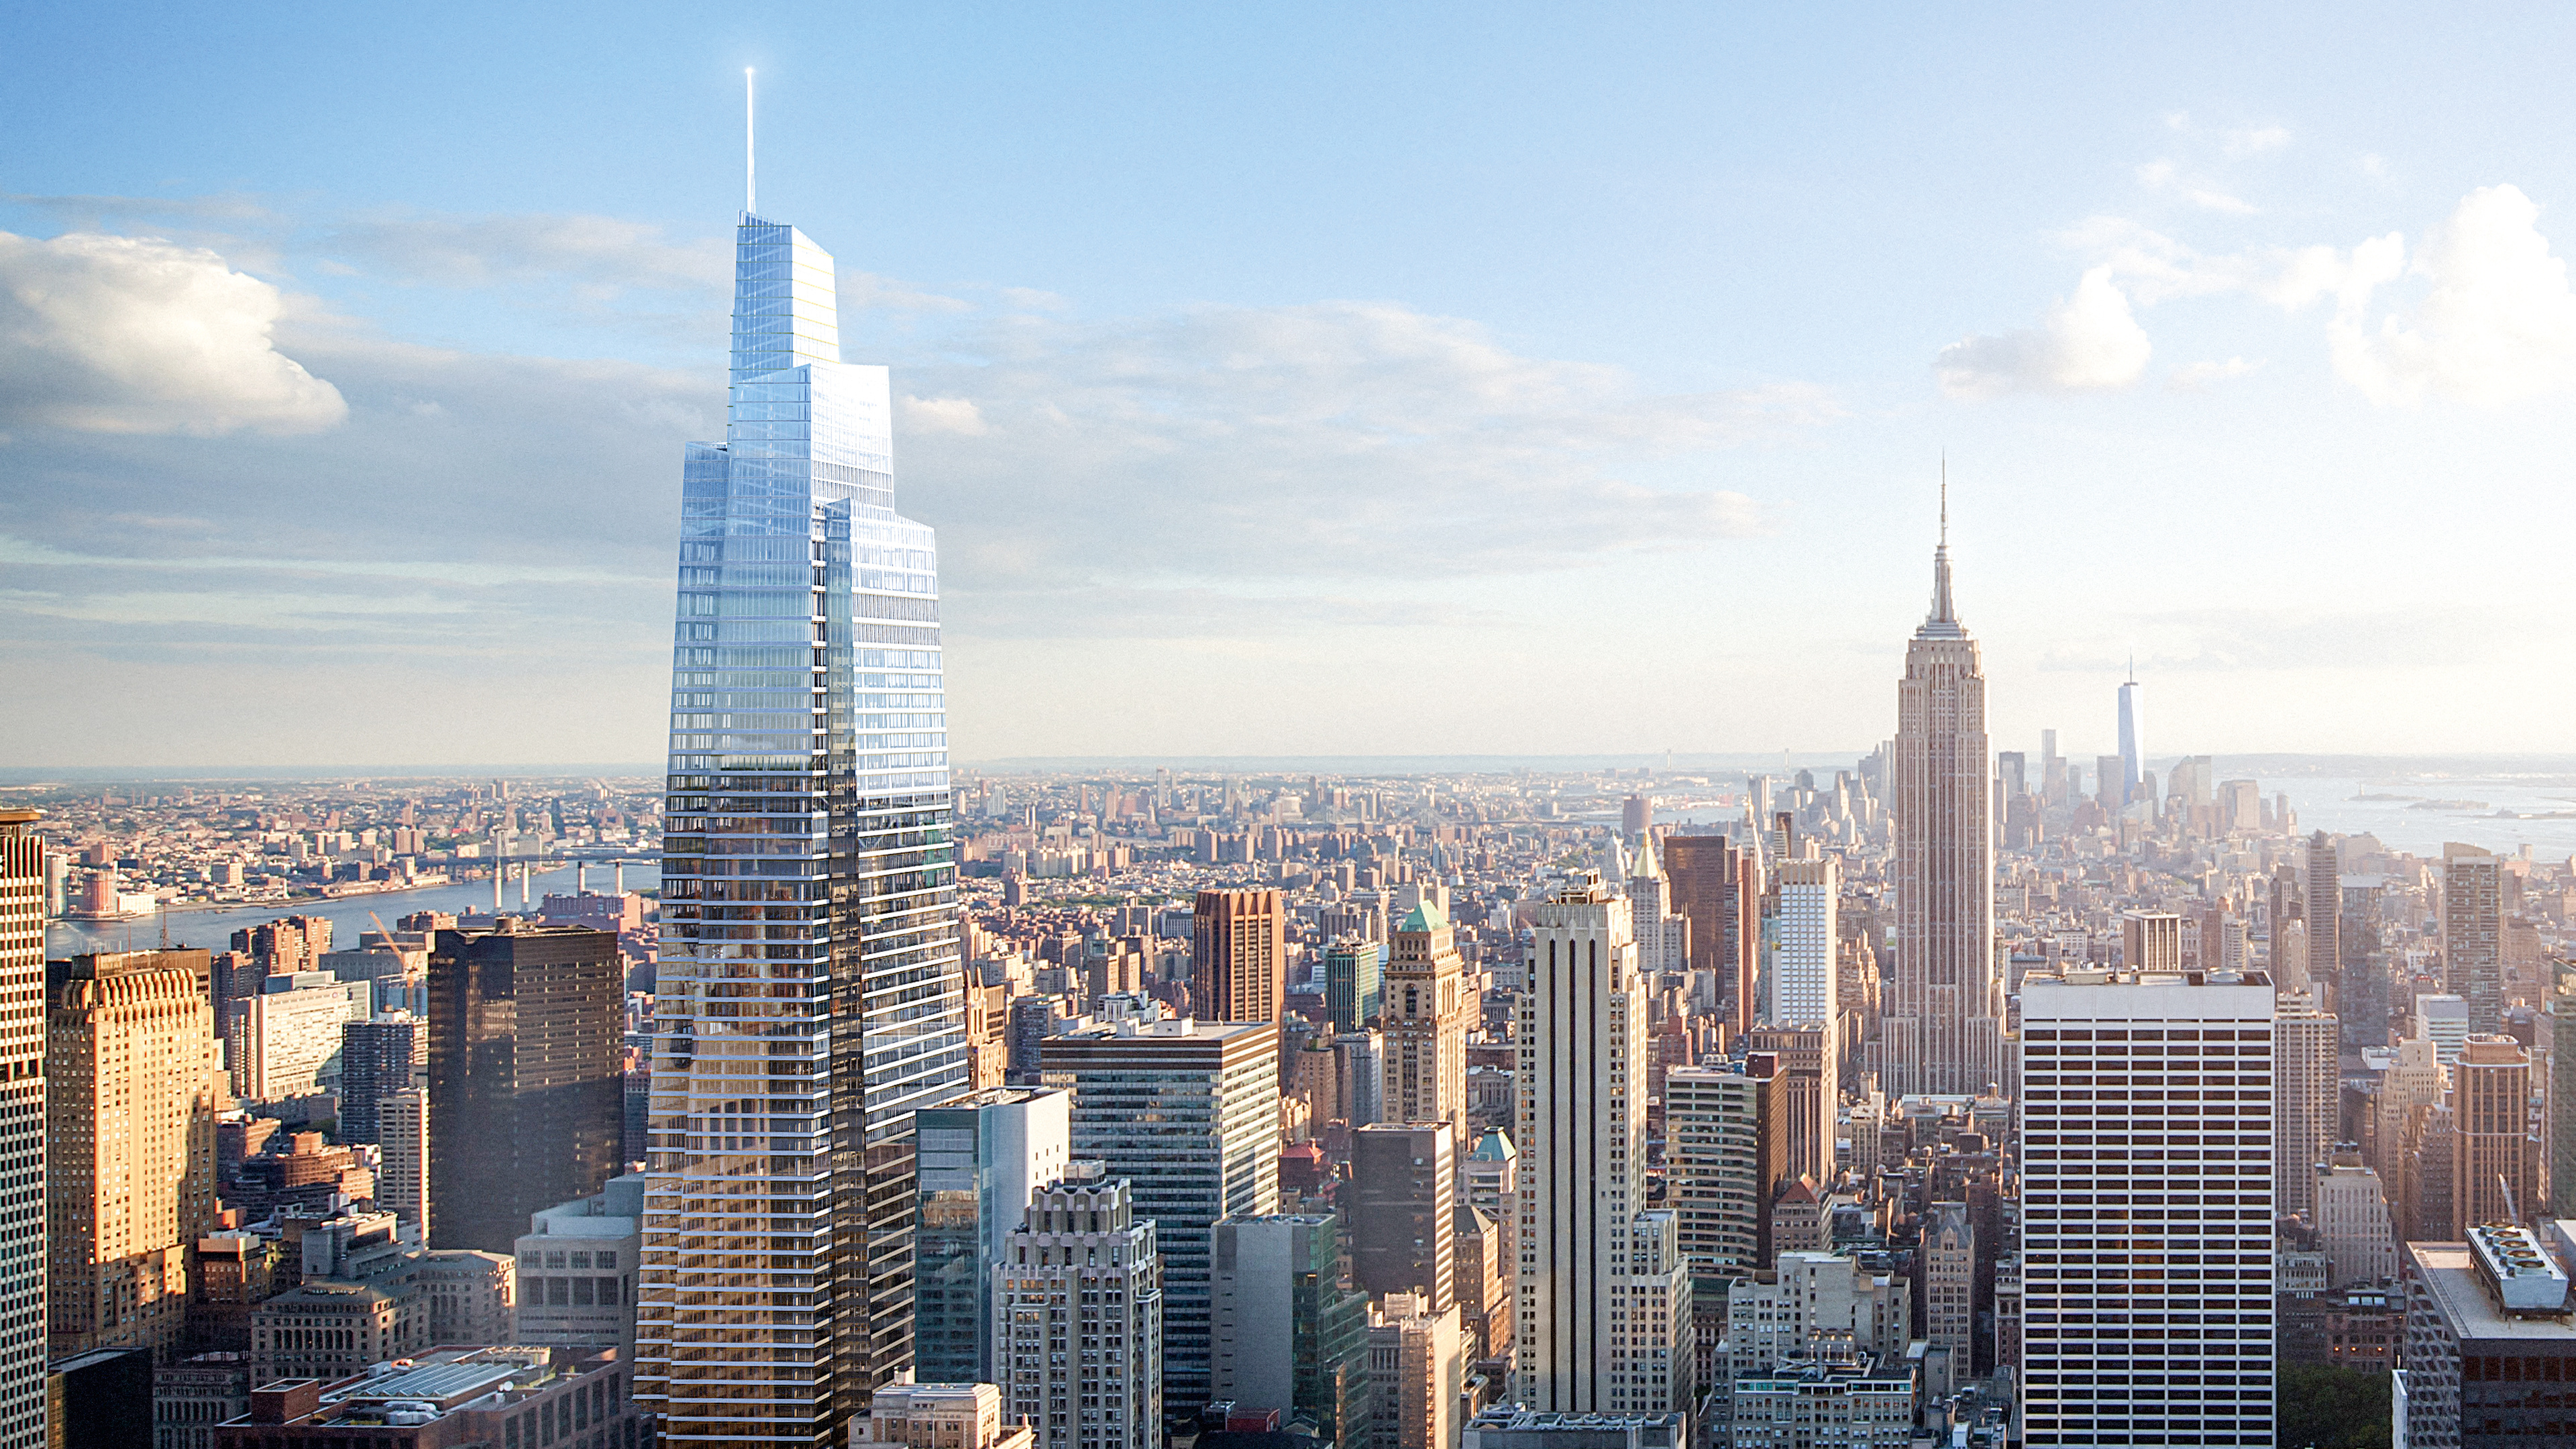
(2471, 1312)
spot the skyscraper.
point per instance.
(2492, 1102)
(2113, 1326)
(1078, 1318)
(2473, 933)
(380, 1056)
(1714, 887)
(809, 937)
(1352, 989)
(1803, 972)
(1427, 1011)
(1941, 1034)
(130, 1187)
(1289, 1333)
(1238, 956)
(1404, 1178)
(2321, 907)
(981, 1158)
(1713, 1163)
(22, 1130)
(2307, 1098)
(1604, 1293)
(402, 1138)
(2133, 747)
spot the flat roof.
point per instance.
(2468, 1308)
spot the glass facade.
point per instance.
(810, 986)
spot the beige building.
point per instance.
(402, 1141)
(1425, 1014)
(2491, 1101)
(1415, 1370)
(1950, 1282)
(2352, 1222)
(943, 1416)
(577, 1270)
(2307, 1100)
(472, 1296)
(131, 1102)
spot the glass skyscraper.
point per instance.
(810, 994)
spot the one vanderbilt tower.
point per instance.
(1942, 1035)
(809, 994)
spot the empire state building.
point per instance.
(1942, 1033)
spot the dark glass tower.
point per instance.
(810, 995)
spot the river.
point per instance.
(214, 928)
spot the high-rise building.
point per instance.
(1289, 1334)
(1187, 1114)
(1403, 1193)
(402, 1139)
(2561, 1112)
(1941, 1033)
(2473, 933)
(2307, 1101)
(286, 1036)
(130, 1183)
(526, 1078)
(2150, 941)
(1428, 1009)
(1591, 1255)
(1663, 934)
(1804, 969)
(2352, 1220)
(2133, 745)
(382, 1055)
(1352, 975)
(1078, 1318)
(576, 1270)
(1415, 1371)
(809, 811)
(2321, 907)
(2185, 1152)
(1238, 956)
(22, 1130)
(2442, 1019)
(2491, 1101)
(1715, 888)
(1713, 1167)
(1950, 1283)
(2489, 1346)
(981, 1158)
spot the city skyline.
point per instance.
(283, 537)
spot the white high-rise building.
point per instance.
(1802, 976)
(2443, 1020)
(1078, 1318)
(1942, 1033)
(402, 1180)
(2352, 1222)
(1663, 934)
(22, 1131)
(2307, 1100)
(1604, 1291)
(2147, 1210)
(980, 1159)
(1426, 1009)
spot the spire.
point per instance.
(1943, 612)
(2133, 666)
(750, 159)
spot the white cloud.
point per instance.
(944, 415)
(2255, 140)
(108, 334)
(2495, 324)
(2088, 342)
(2200, 376)
(481, 251)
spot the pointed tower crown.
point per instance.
(1943, 621)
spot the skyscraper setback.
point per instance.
(810, 995)
(1941, 1032)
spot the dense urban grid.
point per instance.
(1952, 1095)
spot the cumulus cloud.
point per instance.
(2495, 323)
(2087, 342)
(2200, 376)
(109, 334)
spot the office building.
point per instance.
(1238, 956)
(449, 1396)
(2473, 933)
(1352, 993)
(1940, 1032)
(191, 1395)
(808, 729)
(1591, 1254)
(289, 1034)
(2490, 1348)
(2352, 1220)
(2160, 1332)
(980, 1159)
(2560, 1114)
(526, 1076)
(1713, 1167)
(1078, 1319)
(2150, 941)
(1510, 1426)
(402, 1143)
(2491, 1110)
(1838, 1401)
(1415, 1372)
(382, 1055)
(942, 1416)
(1805, 967)
(1663, 934)
(1186, 1113)
(100, 1398)
(1716, 888)
(129, 1185)
(2321, 909)
(2133, 745)
(1812, 1302)
(1427, 1011)
(2307, 1101)
(1289, 1335)
(1403, 1196)
(470, 1297)
(1950, 1283)
(577, 1267)
(2443, 1020)
(1802, 1113)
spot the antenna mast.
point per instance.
(750, 160)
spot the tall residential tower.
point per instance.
(810, 993)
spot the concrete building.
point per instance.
(385, 1054)
(1403, 1193)
(1713, 1167)
(1509, 1426)
(2490, 1348)
(1186, 1113)
(131, 1097)
(1591, 1255)
(448, 1397)
(2491, 1098)
(576, 1272)
(1415, 1370)
(1810, 1302)
(2321, 909)
(1289, 1334)
(1238, 956)
(2352, 1221)
(2443, 1020)
(402, 1145)
(1663, 933)
(1941, 1032)
(2472, 919)
(190, 1396)
(1078, 1318)
(1805, 968)
(1803, 1099)
(942, 1416)
(1715, 888)
(472, 1297)
(526, 1075)
(289, 1034)
(1353, 990)
(2307, 1101)
(1427, 1011)
(980, 1159)
(1950, 1282)
(1840, 1401)
(2111, 1319)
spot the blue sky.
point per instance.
(1306, 379)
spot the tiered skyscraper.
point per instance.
(1941, 1033)
(810, 984)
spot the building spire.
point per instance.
(1942, 610)
(750, 162)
